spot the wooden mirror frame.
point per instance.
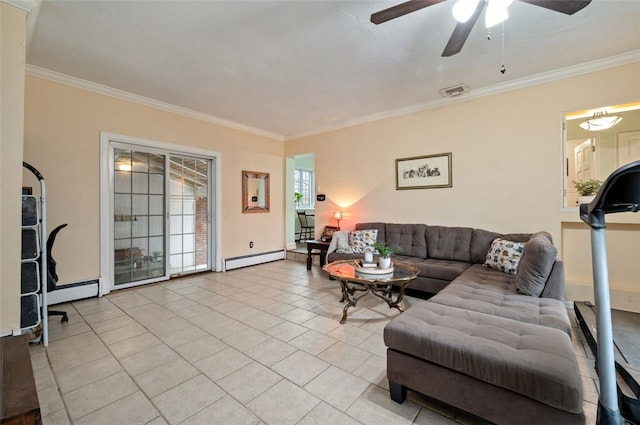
(255, 192)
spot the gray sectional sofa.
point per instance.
(480, 343)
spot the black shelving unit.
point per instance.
(30, 282)
(33, 288)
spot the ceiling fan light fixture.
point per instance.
(503, 4)
(463, 10)
(497, 12)
(494, 15)
(600, 121)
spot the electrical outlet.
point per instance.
(251, 244)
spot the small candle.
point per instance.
(368, 256)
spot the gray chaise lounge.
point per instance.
(479, 344)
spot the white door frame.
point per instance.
(106, 175)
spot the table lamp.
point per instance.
(338, 216)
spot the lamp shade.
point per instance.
(337, 215)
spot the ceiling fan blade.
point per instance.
(461, 32)
(401, 9)
(568, 7)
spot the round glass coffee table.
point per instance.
(357, 281)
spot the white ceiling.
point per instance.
(290, 68)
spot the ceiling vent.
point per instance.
(454, 90)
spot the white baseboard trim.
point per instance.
(73, 292)
(291, 246)
(254, 259)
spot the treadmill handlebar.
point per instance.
(620, 192)
(33, 170)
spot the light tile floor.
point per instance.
(259, 345)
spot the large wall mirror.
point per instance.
(593, 151)
(255, 192)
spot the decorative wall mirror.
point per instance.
(255, 192)
(592, 152)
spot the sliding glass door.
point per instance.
(138, 216)
(189, 215)
(160, 214)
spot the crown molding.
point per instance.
(26, 5)
(545, 77)
(32, 7)
(134, 98)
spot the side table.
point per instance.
(316, 248)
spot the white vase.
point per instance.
(385, 262)
(585, 199)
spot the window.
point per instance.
(303, 183)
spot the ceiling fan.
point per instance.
(465, 10)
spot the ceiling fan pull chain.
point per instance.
(503, 69)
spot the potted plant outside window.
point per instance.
(385, 253)
(587, 190)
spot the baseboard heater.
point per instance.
(73, 292)
(254, 259)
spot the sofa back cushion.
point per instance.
(516, 237)
(379, 226)
(536, 263)
(480, 243)
(449, 243)
(410, 238)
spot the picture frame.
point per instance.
(327, 233)
(424, 172)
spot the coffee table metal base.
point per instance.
(382, 291)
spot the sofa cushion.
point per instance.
(359, 240)
(504, 255)
(410, 238)
(480, 244)
(535, 361)
(439, 269)
(516, 237)
(492, 292)
(536, 263)
(449, 243)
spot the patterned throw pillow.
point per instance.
(504, 255)
(361, 239)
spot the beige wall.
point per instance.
(507, 170)
(62, 140)
(12, 51)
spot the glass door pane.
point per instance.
(189, 215)
(138, 216)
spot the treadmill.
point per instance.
(617, 362)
